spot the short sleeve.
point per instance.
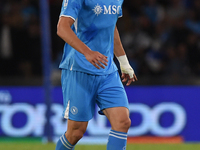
(71, 8)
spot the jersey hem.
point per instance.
(88, 72)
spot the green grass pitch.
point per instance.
(51, 146)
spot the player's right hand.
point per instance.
(97, 59)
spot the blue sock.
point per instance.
(63, 144)
(117, 140)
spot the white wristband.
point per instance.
(125, 66)
(123, 60)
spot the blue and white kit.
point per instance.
(83, 84)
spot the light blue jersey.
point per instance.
(95, 21)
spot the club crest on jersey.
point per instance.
(111, 9)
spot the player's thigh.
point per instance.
(118, 117)
(116, 114)
(78, 95)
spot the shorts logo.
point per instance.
(124, 148)
(74, 110)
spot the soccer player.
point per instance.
(89, 75)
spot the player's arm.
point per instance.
(66, 33)
(127, 71)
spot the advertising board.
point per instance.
(157, 111)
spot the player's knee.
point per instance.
(124, 125)
(78, 134)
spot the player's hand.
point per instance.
(128, 75)
(97, 59)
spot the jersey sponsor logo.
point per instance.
(111, 9)
(97, 9)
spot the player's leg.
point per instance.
(78, 97)
(113, 101)
(119, 118)
(75, 131)
(120, 123)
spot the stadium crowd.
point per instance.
(161, 37)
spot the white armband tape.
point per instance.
(125, 66)
(123, 60)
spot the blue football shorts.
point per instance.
(81, 91)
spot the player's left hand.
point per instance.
(128, 75)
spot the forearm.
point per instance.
(118, 48)
(127, 71)
(67, 34)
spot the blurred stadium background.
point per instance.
(162, 41)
